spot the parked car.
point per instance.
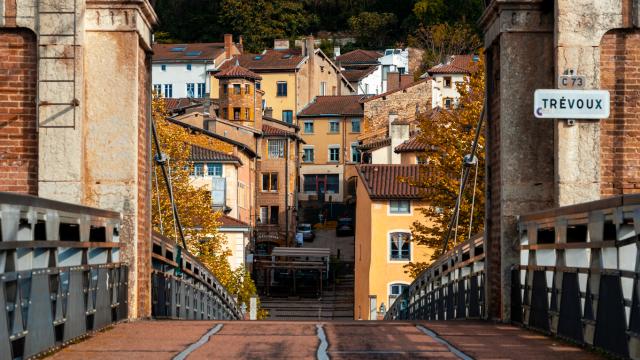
(344, 227)
(307, 232)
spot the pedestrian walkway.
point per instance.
(160, 340)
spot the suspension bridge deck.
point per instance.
(159, 340)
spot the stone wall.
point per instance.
(406, 102)
(620, 133)
(18, 135)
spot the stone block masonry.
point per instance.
(18, 135)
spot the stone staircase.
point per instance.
(336, 303)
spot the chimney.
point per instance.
(240, 44)
(307, 48)
(308, 51)
(228, 42)
(336, 51)
(393, 80)
(399, 133)
(268, 112)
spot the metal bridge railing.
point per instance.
(60, 273)
(183, 288)
(579, 273)
(450, 288)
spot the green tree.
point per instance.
(372, 29)
(449, 134)
(441, 40)
(430, 12)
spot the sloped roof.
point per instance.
(353, 75)
(383, 181)
(456, 64)
(274, 131)
(411, 145)
(187, 52)
(228, 221)
(376, 144)
(359, 56)
(202, 154)
(268, 60)
(173, 104)
(396, 90)
(343, 105)
(236, 72)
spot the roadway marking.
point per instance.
(321, 353)
(193, 347)
(444, 342)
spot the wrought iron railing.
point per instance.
(60, 273)
(450, 288)
(579, 274)
(183, 288)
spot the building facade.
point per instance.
(182, 70)
(368, 70)
(385, 211)
(446, 77)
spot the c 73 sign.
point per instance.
(571, 104)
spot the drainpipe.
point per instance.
(286, 193)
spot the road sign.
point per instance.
(571, 104)
(571, 81)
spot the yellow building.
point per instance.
(385, 210)
(291, 78)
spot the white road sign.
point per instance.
(571, 104)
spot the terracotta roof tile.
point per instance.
(173, 104)
(228, 221)
(396, 90)
(201, 154)
(359, 56)
(411, 145)
(383, 181)
(376, 144)
(274, 131)
(237, 71)
(334, 105)
(353, 75)
(268, 60)
(187, 52)
(456, 64)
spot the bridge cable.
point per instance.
(473, 197)
(466, 170)
(161, 159)
(457, 214)
(155, 178)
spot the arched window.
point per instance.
(400, 245)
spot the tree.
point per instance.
(199, 221)
(430, 12)
(450, 134)
(441, 40)
(372, 29)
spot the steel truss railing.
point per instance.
(450, 288)
(183, 288)
(579, 274)
(60, 274)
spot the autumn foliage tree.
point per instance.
(198, 219)
(449, 135)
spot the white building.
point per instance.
(180, 70)
(368, 70)
(446, 76)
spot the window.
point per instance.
(163, 67)
(273, 219)
(236, 113)
(258, 85)
(214, 169)
(448, 103)
(287, 116)
(247, 88)
(395, 290)
(237, 89)
(218, 192)
(385, 71)
(446, 81)
(269, 181)
(157, 89)
(334, 153)
(190, 89)
(264, 215)
(321, 183)
(323, 88)
(308, 127)
(355, 125)
(224, 88)
(355, 153)
(282, 88)
(201, 90)
(168, 90)
(246, 114)
(333, 183)
(334, 126)
(308, 155)
(400, 245)
(399, 207)
(198, 170)
(276, 148)
(402, 70)
(188, 67)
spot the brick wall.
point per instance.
(18, 136)
(620, 134)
